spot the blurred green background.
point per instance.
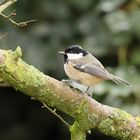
(110, 29)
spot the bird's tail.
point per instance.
(118, 80)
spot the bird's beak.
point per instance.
(61, 52)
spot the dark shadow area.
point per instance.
(23, 119)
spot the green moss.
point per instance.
(32, 82)
(18, 52)
(83, 111)
(21, 75)
(117, 125)
(77, 133)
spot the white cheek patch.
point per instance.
(74, 56)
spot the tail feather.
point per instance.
(118, 80)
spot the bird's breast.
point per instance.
(81, 77)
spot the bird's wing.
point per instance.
(92, 69)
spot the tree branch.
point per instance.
(2, 36)
(77, 133)
(4, 6)
(87, 112)
(22, 24)
(58, 116)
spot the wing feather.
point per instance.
(95, 70)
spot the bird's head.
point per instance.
(73, 52)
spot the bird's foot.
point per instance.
(88, 92)
(68, 82)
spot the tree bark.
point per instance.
(88, 113)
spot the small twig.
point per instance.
(13, 13)
(2, 36)
(22, 24)
(6, 4)
(58, 116)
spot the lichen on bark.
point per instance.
(87, 112)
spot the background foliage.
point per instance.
(108, 28)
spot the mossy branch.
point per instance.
(87, 112)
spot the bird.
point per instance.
(82, 67)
